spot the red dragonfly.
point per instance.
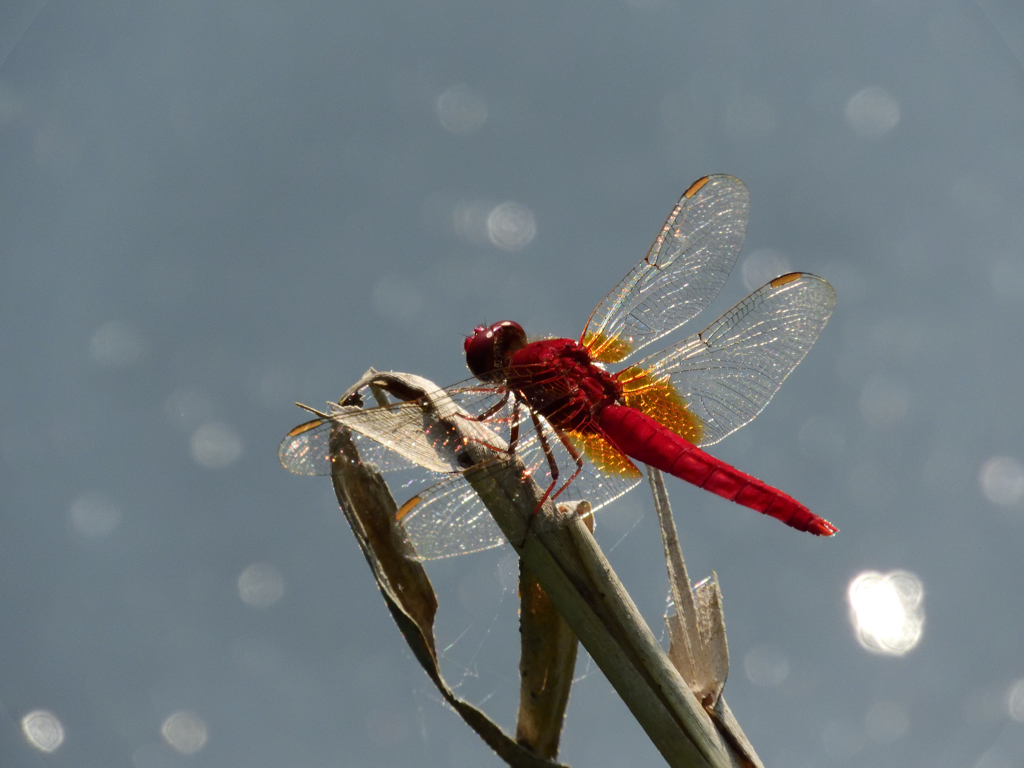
(593, 424)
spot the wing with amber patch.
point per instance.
(656, 396)
(715, 382)
(682, 273)
(605, 457)
(606, 474)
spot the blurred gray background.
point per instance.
(209, 210)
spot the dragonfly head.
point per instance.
(488, 349)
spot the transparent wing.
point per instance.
(682, 273)
(449, 518)
(405, 429)
(419, 459)
(421, 463)
(728, 373)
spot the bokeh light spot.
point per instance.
(94, 516)
(43, 730)
(511, 226)
(260, 585)
(1002, 480)
(887, 611)
(117, 344)
(886, 721)
(185, 732)
(872, 112)
(461, 110)
(763, 265)
(1015, 701)
(216, 445)
(765, 666)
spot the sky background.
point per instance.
(210, 210)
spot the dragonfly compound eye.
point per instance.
(488, 349)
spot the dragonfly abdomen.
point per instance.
(642, 438)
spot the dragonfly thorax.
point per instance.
(489, 348)
(559, 380)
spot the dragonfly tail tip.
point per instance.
(822, 527)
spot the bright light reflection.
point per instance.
(94, 516)
(887, 611)
(216, 445)
(260, 585)
(1015, 701)
(461, 110)
(117, 344)
(872, 112)
(1002, 480)
(185, 732)
(511, 226)
(765, 667)
(43, 730)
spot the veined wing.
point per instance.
(419, 457)
(449, 518)
(724, 376)
(406, 433)
(444, 516)
(683, 272)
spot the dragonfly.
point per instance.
(580, 428)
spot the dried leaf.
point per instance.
(546, 665)
(371, 511)
(696, 630)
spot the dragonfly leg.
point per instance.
(490, 411)
(576, 456)
(553, 467)
(513, 437)
(552, 464)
